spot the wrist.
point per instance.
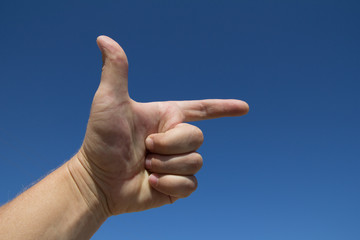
(62, 205)
(87, 187)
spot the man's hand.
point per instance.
(139, 156)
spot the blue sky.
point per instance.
(288, 170)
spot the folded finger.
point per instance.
(173, 185)
(181, 164)
(183, 138)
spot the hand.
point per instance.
(121, 133)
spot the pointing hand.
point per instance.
(139, 156)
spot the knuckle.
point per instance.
(188, 187)
(192, 184)
(197, 135)
(195, 161)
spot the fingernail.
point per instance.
(153, 179)
(148, 163)
(149, 143)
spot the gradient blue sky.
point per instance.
(288, 170)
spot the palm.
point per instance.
(114, 145)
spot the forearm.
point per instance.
(60, 206)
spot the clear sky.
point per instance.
(288, 170)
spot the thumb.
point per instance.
(114, 74)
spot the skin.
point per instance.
(135, 156)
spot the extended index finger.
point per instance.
(212, 108)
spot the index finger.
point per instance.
(212, 108)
